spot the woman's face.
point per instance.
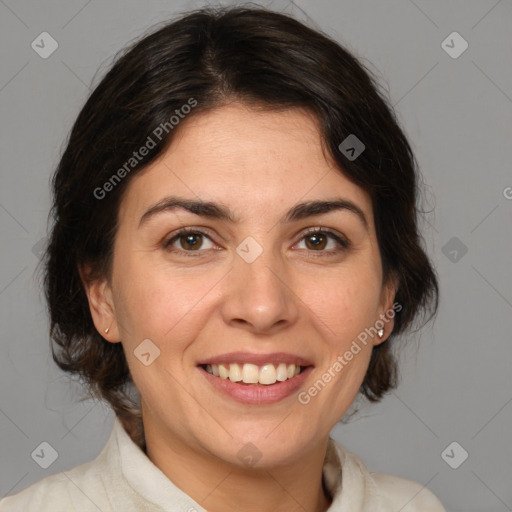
(251, 283)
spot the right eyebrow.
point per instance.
(203, 208)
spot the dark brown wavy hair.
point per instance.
(215, 56)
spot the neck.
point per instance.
(222, 487)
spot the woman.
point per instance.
(234, 249)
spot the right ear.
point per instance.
(101, 304)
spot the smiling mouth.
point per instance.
(247, 373)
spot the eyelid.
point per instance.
(339, 238)
(186, 230)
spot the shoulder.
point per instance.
(83, 487)
(350, 482)
(398, 493)
(60, 492)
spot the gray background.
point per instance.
(456, 377)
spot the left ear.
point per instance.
(387, 309)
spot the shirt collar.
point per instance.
(345, 477)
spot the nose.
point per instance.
(259, 296)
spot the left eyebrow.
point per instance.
(218, 211)
(312, 208)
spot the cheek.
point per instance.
(344, 304)
(154, 302)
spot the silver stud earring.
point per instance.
(106, 330)
(380, 333)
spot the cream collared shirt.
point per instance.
(123, 479)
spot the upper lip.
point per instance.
(258, 359)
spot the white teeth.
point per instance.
(251, 374)
(282, 373)
(223, 372)
(268, 374)
(235, 373)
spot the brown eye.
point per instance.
(316, 241)
(188, 241)
(191, 241)
(324, 242)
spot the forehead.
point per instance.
(252, 160)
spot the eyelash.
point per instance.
(341, 241)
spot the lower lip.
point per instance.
(258, 394)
